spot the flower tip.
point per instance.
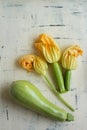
(48, 47)
(26, 62)
(79, 51)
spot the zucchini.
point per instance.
(30, 96)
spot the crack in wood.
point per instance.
(53, 6)
(52, 25)
(74, 90)
(0, 58)
(84, 61)
(65, 38)
(14, 5)
(57, 37)
(3, 16)
(57, 25)
(2, 46)
(76, 101)
(7, 115)
(76, 12)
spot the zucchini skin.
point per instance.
(30, 96)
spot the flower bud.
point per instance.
(40, 65)
(69, 57)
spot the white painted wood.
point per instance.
(21, 21)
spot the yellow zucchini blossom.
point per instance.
(40, 65)
(69, 57)
(48, 47)
(30, 62)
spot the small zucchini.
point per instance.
(30, 96)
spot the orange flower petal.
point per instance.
(27, 62)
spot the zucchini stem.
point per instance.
(52, 87)
(58, 76)
(67, 79)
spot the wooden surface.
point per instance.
(21, 21)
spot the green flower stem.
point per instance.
(58, 76)
(67, 79)
(52, 87)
